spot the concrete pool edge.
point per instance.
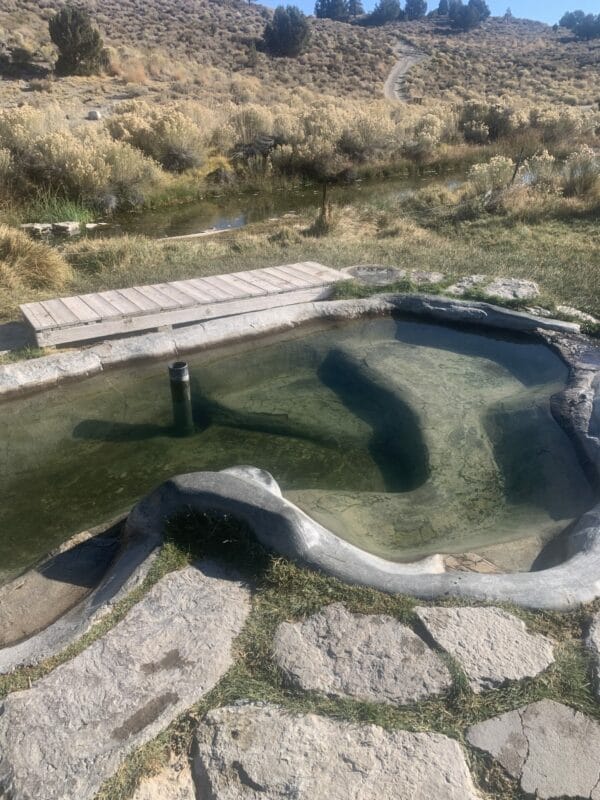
(282, 526)
(25, 377)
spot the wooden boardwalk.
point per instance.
(122, 311)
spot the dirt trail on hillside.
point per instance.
(407, 58)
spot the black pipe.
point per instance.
(181, 396)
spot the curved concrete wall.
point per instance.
(254, 496)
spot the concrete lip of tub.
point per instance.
(254, 495)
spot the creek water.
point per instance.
(403, 437)
(237, 210)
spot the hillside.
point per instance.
(519, 58)
(183, 41)
(202, 48)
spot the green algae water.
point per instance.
(405, 438)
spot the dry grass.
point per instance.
(203, 49)
(26, 265)
(525, 61)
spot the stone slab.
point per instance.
(251, 752)
(68, 733)
(174, 782)
(502, 288)
(570, 311)
(551, 749)
(491, 645)
(365, 657)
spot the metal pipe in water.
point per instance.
(181, 397)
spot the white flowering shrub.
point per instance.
(540, 171)
(581, 174)
(492, 176)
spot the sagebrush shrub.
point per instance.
(494, 175)
(164, 134)
(581, 173)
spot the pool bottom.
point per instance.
(405, 438)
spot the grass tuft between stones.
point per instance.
(283, 591)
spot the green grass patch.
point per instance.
(283, 592)
(49, 207)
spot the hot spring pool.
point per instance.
(405, 438)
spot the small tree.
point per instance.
(355, 7)
(80, 47)
(386, 11)
(288, 33)
(415, 9)
(443, 8)
(469, 16)
(584, 26)
(332, 9)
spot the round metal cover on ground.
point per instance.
(375, 274)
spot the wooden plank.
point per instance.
(160, 298)
(308, 269)
(101, 305)
(201, 295)
(81, 309)
(59, 312)
(278, 284)
(139, 299)
(277, 271)
(328, 272)
(227, 289)
(177, 295)
(262, 282)
(124, 305)
(243, 288)
(37, 316)
(139, 308)
(179, 315)
(200, 284)
(307, 275)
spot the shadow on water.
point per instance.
(537, 465)
(396, 444)
(85, 563)
(206, 413)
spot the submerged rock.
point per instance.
(367, 657)
(247, 752)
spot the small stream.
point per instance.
(235, 211)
